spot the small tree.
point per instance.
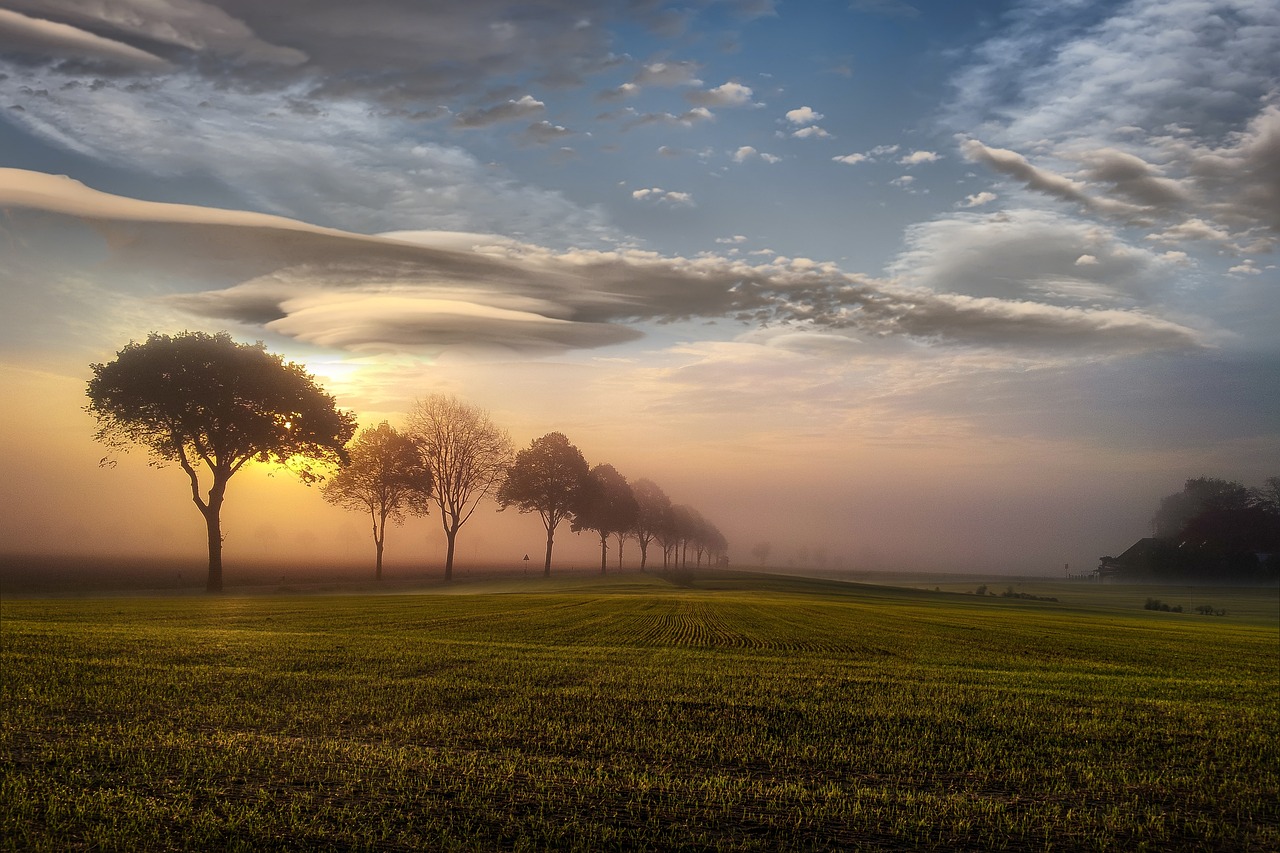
(384, 477)
(547, 477)
(204, 400)
(606, 506)
(653, 514)
(467, 456)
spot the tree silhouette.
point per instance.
(547, 477)
(761, 551)
(199, 399)
(385, 477)
(654, 511)
(606, 505)
(467, 456)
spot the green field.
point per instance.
(744, 712)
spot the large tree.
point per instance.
(654, 513)
(606, 506)
(385, 477)
(207, 402)
(467, 455)
(547, 477)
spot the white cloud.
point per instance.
(903, 181)
(736, 238)
(1246, 267)
(1086, 261)
(811, 132)
(425, 292)
(804, 115)
(726, 95)
(852, 159)
(657, 194)
(747, 152)
(915, 158)
(978, 199)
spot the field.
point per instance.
(742, 712)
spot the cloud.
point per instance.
(310, 285)
(668, 74)
(903, 181)
(656, 194)
(544, 132)
(915, 158)
(522, 107)
(1014, 165)
(618, 93)
(686, 119)
(1159, 115)
(726, 95)
(190, 25)
(803, 116)
(747, 152)
(811, 132)
(40, 39)
(356, 169)
(978, 199)
(852, 159)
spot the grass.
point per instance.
(746, 712)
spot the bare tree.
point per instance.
(200, 399)
(547, 477)
(606, 506)
(384, 477)
(467, 456)
(654, 514)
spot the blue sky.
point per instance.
(834, 272)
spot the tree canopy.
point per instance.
(205, 400)
(606, 506)
(467, 455)
(547, 477)
(385, 477)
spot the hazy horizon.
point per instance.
(921, 286)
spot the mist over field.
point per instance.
(884, 286)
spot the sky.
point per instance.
(907, 285)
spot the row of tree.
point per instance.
(450, 454)
(213, 405)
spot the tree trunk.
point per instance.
(604, 551)
(213, 523)
(644, 553)
(546, 566)
(377, 545)
(451, 535)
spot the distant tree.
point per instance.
(1198, 495)
(653, 514)
(761, 551)
(467, 455)
(385, 477)
(687, 523)
(204, 400)
(1267, 496)
(621, 537)
(547, 477)
(716, 543)
(606, 505)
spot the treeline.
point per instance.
(451, 456)
(212, 405)
(1217, 529)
